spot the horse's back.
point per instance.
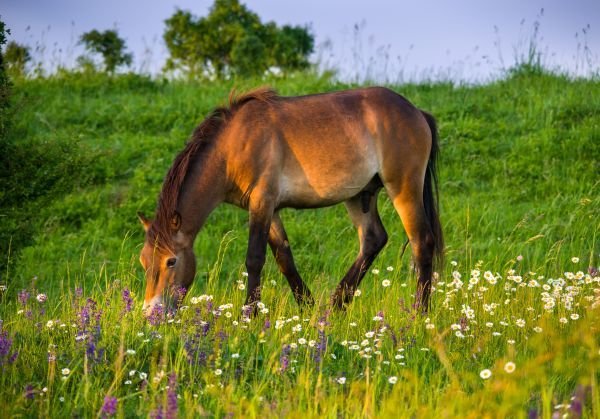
(323, 149)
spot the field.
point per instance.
(514, 325)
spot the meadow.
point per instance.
(514, 326)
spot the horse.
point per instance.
(264, 152)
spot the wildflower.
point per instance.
(520, 322)
(393, 379)
(218, 372)
(23, 297)
(509, 367)
(41, 298)
(489, 324)
(302, 341)
(130, 352)
(241, 286)
(352, 324)
(519, 258)
(297, 328)
(390, 268)
(127, 300)
(369, 334)
(341, 380)
(563, 320)
(575, 259)
(109, 408)
(49, 324)
(3, 288)
(386, 283)
(574, 316)
(132, 373)
(377, 318)
(537, 329)
(485, 374)
(65, 371)
(357, 293)
(430, 326)
(454, 263)
(375, 271)
(143, 375)
(235, 356)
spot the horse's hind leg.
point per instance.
(280, 246)
(363, 212)
(408, 202)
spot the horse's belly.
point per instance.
(331, 185)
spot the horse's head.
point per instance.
(170, 268)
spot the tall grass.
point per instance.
(519, 199)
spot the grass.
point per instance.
(519, 198)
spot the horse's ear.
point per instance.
(176, 221)
(144, 220)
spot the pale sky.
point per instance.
(465, 40)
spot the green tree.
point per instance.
(16, 58)
(4, 87)
(109, 45)
(231, 39)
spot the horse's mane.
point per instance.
(160, 231)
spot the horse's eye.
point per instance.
(171, 262)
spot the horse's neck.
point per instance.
(202, 192)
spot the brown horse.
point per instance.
(265, 152)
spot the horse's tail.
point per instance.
(431, 193)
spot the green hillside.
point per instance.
(519, 193)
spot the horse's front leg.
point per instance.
(261, 214)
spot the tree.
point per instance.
(231, 39)
(4, 89)
(16, 57)
(109, 45)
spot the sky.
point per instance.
(382, 40)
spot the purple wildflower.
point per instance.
(78, 292)
(321, 345)
(6, 356)
(127, 300)
(29, 392)
(578, 400)
(109, 408)
(267, 325)
(23, 297)
(157, 315)
(179, 295)
(284, 358)
(593, 271)
(172, 396)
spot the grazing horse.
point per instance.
(266, 152)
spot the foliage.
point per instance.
(16, 58)
(109, 45)
(4, 85)
(519, 191)
(231, 39)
